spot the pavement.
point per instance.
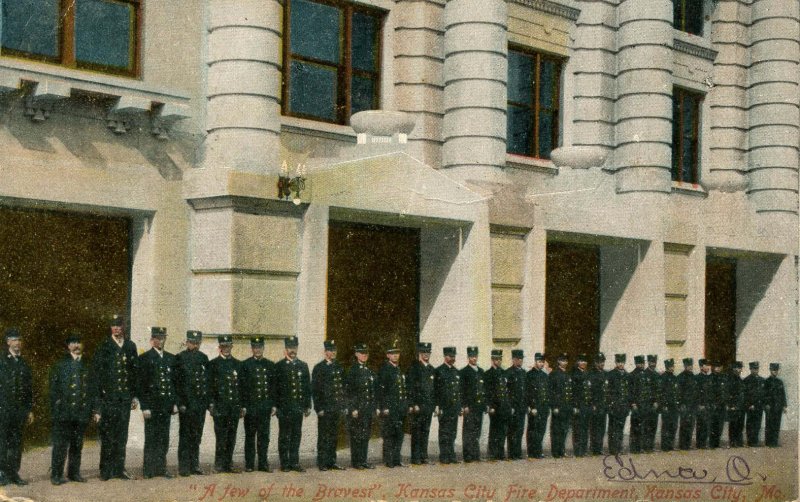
(740, 474)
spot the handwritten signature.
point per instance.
(737, 472)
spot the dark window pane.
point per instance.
(519, 130)
(313, 90)
(364, 43)
(677, 14)
(520, 77)
(548, 79)
(676, 137)
(363, 94)
(694, 16)
(31, 26)
(546, 126)
(315, 30)
(104, 32)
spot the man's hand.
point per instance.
(321, 413)
(355, 414)
(174, 409)
(242, 412)
(274, 411)
(491, 411)
(147, 414)
(307, 412)
(385, 412)
(555, 411)
(96, 417)
(30, 418)
(182, 409)
(465, 411)
(134, 403)
(416, 408)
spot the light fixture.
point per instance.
(291, 187)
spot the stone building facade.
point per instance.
(557, 175)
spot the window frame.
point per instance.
(66, 43)
(679, 94)
(681, 22)
(535, 108)
(344, 69)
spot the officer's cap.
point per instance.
(716, 362)
(257, 341)
(518, 354)
(737, 365)
(651, 358)
(581, 358)
(638, 359)
(225, 340)
(688, 361)
(472, 351)
(394, 348)
(449, 351)
(669, 363)
(754, 365)
(497, 353)
(619, 358)
(774, 366)
(563, 357)
(194, 336)
(158, 332)
(329, 345)
(538, 356)
(290, 342)
(424, 347)
(117, 320)
(703, 362)
(13, 333)
(74, 336)
(361, 348)
(599, 357)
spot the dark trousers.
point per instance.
(537, 426)
(11, 449)
(471, 435)
(616, 428)
(597, 431)
(669, 426)
(256, 438)
(360, 429)
(753, 425)
(156, 444)
(717, 422)
(637, 428)
(392, 434)
(649, 426)
(559, 427)
(686, 430)
(772, 428)
(420, 432)
(498, 430)
(735, 428)
(327, 433)
(189, 437)
(580, 432)
(516, 429)
(702, 429)
(225, 427)
(290, 430)
(67, 441)
(448, 428)
(113, 432)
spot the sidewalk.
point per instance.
(768, 473)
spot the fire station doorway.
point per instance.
(373, 290)
(58, 272)
(720, 309)
(572, 300)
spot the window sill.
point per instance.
(694, 45)
(524, 163)
(693, 189)
(318, 129)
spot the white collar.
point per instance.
(119, 344)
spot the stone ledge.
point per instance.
(693, 189)
(694, 46)
(579, 157)
(524, 163)
(555, 8)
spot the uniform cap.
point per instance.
(225, 340)
(538, 356)
(599, 357)
(329, 345)
(13, 333)
(619, 358)
(290, 342)
(737, 365)
(74, 336)
(563, 357)
(688, 361)
(257, 341)
(449, 351)
(669, 363)
(424, 347)
(638, 359)
(158, 331)
(581, 358)
(754, 365)
(703, 362)
(394, 348)
(774, 366)
(194, 336)
(651, 358)
(518, 353)
(117, 320)
(361, 348)
(472, 351)
(497, 353)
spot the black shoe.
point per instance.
(248, 469)
(401, 464)
(184, 474)
(359, 467)
(265, 469)
(19, 481)
(427, 462)
(124, 475)
(298, 468)
(368, 466)
(147, 476)
(285, 469)
(57, 480)
(167, 475)
(198, 472)
(77, 478)
(323, 468)
(336, 467)
(389, 465)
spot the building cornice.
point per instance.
(691, 49)
(550, 7)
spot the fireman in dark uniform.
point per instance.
(753, 404)
(159, 402)
(392, 398)
(618, 403)
(191, 384)
(687, 405)
(774, 405)
(327, 384)
(422, 402)
(561, 404)
(736, 406)
(639, 394)
(448, 400)
(517, 377)
(669, 404)
(15, 409)
(499, 406)
(537, 391)
(360, 384)
(72, 399)
(258, 398)
(704, 400)
(114, 373)
(582, 404)
(225, 402)
(651, 416)
(719, 399)
(598, 377)
(473, 398)
(293, 402)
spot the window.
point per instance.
(534, 81)
(685, 135)
(688, 16)
(99, 35)
(332, 60)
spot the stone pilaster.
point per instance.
(475, 93)
(644, 96)
(244, 85)
(727, 167)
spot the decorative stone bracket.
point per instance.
(130, 111)
(40, 98)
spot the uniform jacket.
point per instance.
(360, 384)
(720, 383)
(687, 391)
(157, 382)
(497, 390)
(448, 389)
(581, 389)
(392, 392)
(72, 394)
(517, 379)
(600, 390)
(473, 388)
(15, 374)
(327, 381)
(258, 385)
(293, 386)
(644, 390)
(669, 395)
(561, 390)
(421, 391)
(619, 392)
(753, 391)
(191, 380)
(537, 390)
(224, 385)
(114, 370)
(735, 392)
(705, 390)
(774, 393)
